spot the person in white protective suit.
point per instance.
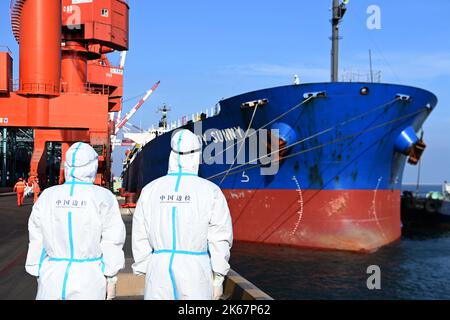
(76, 234)
(182, 232)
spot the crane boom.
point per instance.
(135, 108)
(118, 116)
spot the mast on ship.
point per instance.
(163, 122)
(338, 10)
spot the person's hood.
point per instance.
(186, 152)
(81, 163)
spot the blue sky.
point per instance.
(205, 50)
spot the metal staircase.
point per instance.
(16, 12)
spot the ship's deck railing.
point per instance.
(361, 76)
(199, 116)
(194, 117)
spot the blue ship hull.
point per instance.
(338, 183)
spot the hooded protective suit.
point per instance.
(76, 233)
(182, 230)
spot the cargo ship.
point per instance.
(341, 149)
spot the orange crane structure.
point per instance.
(67, 87)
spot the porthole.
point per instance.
(364, 91)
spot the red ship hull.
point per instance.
(353, 220)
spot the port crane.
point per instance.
(65, 75)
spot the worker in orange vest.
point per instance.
(19, 188)
(36, 190)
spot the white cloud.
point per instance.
(405, 67)
(277, 70)
(396, 66)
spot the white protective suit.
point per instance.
(182, 230)
(76, 233)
